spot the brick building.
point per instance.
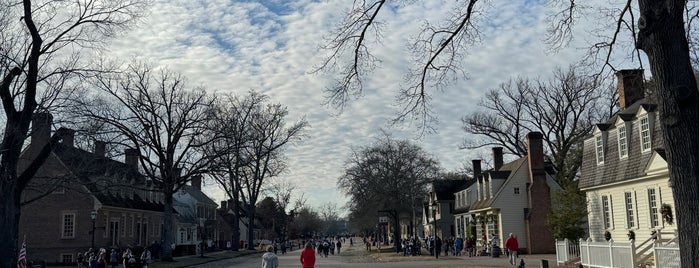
(80, 197)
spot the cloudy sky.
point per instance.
(271, 46)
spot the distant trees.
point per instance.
(166, 123)
(389, 174)
(42, 48)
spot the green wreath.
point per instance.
(666, 212)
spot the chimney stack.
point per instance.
(224, 205)
(630, 85)
(131, 157)
(497, 158)
(476, 168)
(196, 182)
(67, 136)
(41, 128)
(100, 148)
(538, 196)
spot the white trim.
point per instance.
(653, 176)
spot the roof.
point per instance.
(197, 194)
(445, 189)
(615, 169)
(92, 170)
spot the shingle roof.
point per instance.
(198, 195)
(445, 189)
(614, 169)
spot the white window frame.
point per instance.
(623, 142)
(644, 130)
(70, 258)
(607, 220)
(68, 225)
(599, 149)
(653, 208)
(631, 221)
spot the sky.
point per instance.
(272, 46)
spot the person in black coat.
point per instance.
(437, 245)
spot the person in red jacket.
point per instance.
(512, 246)
(308, 257)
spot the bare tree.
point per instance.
(165, 122)
(563, 108)
(41, 48)
(658, 28)
(388, 175)
(254, 135)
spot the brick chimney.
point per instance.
(224, 205)
(41, 128)
(196, 182)
(497, 158)
(630, 85)
(131, 157)
(67, 136)
(100, 148)
(539, 196)
(476, 167)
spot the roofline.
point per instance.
(647, 177)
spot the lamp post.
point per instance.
(435, 205)
(93, 216)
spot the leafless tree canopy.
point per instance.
(254, 135)
(563, 109)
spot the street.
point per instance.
(357, 257)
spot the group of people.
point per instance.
(101, 259)
(308, 255)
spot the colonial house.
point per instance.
(515, 198)
(80, 199)
(224, 226)
(463, 198)
(438, 212)
(624, 171)
(196, 219)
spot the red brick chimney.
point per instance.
(497, 158)
(131, 157)
(100, 148)
(196, 182)
(630, 85)
(41, 129)
(539, 239)
(476, 167)
(67, 136)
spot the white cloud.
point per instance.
(241, 45)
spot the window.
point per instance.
(606, 213)
(630, 219)
(599, 142)
(623, 145)
(68, 225)
(516, 190)
(67, 258)
(653, 208)
(645, 134)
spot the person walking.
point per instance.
(114, 258)
(339, 246)
(437, 246)
(269, 259)
(80, 260)
(512, 246)
(308, 257)
(146, 258)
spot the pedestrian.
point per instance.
(92, 260)
(102, 258)
(113, 258)
(80, 259)
(512, 246)
(339, 246)
(269, 259)
(308, 257)
(128, 258)
(437, 246)
(146, 258)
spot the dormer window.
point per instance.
(599, 146)
(645, 134)
(623, 145)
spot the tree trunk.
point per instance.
(236, 223)
(251, 226)
(662, 38)
(168, 225)
(9, 223)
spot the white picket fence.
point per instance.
(616, 255)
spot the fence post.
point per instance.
(566, 246)
(633, 252)
(611, 253)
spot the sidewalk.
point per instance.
(186, 261)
